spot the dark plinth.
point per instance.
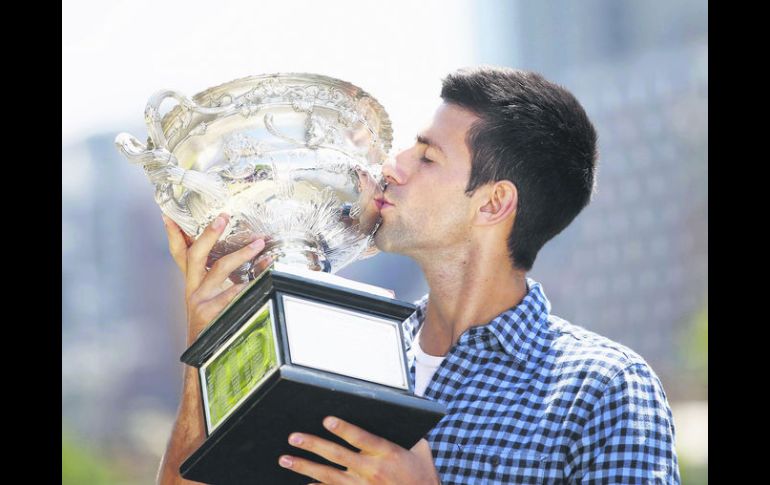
(244, 448)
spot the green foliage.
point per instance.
(81, 465)
(695, 343)
(693, 355)
(693, 474)
(697, 356)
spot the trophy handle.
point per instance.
(162, 168)
(154, 119)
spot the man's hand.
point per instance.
(207, 292)
(379, 461)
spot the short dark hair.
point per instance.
(535, 134)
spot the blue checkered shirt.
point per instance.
(532, 398)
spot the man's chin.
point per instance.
(382, 241)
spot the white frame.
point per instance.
(293, 338)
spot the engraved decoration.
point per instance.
(294, 158)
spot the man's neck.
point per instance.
(467, 290)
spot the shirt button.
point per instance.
(495, 460)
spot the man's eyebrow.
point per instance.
(427, 141)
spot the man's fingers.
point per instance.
(324, 473)
(227, 264)
(263, 263)
(326, 449)
(363, 440)
(177, 243)
(198, 253)
(422, 449)
(214, 306)
(202, 313)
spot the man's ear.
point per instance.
(499, 202)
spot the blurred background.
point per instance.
(632, 266)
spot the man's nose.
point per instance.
(392, 169)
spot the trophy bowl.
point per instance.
(293, 158)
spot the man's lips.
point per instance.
(382, 203)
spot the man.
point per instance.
(507, 163)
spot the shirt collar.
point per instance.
(521, 331)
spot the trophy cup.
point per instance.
(296, 159)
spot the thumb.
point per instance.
(422, 449)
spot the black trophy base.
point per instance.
(246, 446)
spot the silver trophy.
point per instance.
(295, 159)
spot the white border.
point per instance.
(358, 314)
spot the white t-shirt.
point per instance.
(425, 366)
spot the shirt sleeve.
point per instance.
(629, 435)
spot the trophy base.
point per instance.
(286, 353)
(297, 399)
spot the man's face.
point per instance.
(428, 207)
